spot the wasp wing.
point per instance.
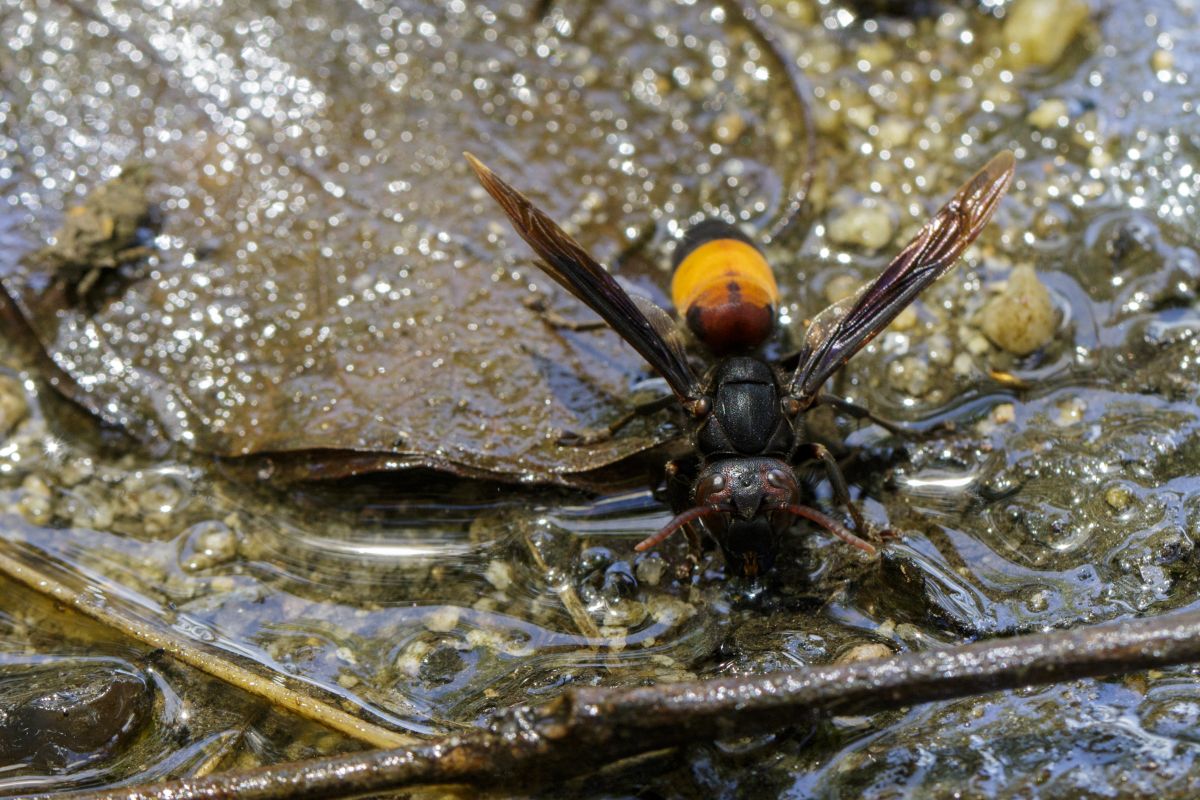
(580, 274)
(843, 329)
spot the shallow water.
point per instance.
(325, 275)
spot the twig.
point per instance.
(798, 83)
(179, 647)
(569, 598)
(589, 727)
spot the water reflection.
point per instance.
(318, 184)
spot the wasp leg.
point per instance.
(636, 246)
(859, 412)
(573, 439)
(811, 451)
(680, 480)
(557, 321)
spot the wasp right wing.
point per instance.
(844, 328)
(568, 263)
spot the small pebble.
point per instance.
(667, 610)
(1118, 498)
(410, 658)
(894, 132)
(160, 497)
(1039, 601)
(1070, 412)
(1048, 114)
(909, 375)
(499, 574)
(94, 513)
(650, 569)
(868, 227)
(222, 584)
(443, 619)
(861, 117)
(1003, 414)
(963, 365)
(1022, 318)
(35, 504)
(840, 288)
(939, 349)
(35, 486)
(76, 470)
(905, 320)
(1162, 61)
(1038, 32)
(864, 652)
(14, 407)
(978, 345)
(729, 127)
(211, 543)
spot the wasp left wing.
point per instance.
(843, 329)
(580, 274)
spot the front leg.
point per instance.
(680, 483)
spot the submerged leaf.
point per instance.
(330, 288)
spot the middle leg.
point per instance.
(812, 451)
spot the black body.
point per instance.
(746, 416)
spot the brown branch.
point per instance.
(588, 727)
(751, 15)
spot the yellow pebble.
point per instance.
(1038, 32)
(1022, 318)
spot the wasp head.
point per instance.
(755, 492)
(750, 486)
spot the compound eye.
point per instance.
(780, 479)
(710, 486)
(702, 407)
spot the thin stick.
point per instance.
(570, 600)
(590, 727)
(798, 83)
(182, 649)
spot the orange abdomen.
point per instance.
(724, 289)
